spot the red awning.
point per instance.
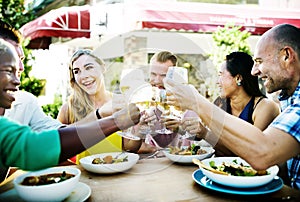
(202, 17)
(72, 22)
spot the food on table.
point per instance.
(209, 168)
(236, 169)
(191, 150)
(109, 160)
(46, 179)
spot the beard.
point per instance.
(272, 85)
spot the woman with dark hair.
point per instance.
(240, 96)
(237, 85)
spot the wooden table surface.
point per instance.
(159, 179)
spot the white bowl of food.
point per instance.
(51, 184)
(186, 154)
(107, 163)
(238, 173)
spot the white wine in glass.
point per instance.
(178, 74)
(142, 97)
(124, 89)
(165, 109)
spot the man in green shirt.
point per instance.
(29, 150)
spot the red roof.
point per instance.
(70, 22)
(202, 17)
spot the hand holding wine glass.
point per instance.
(142, 97)
(172, 116)
(190, 123)
(142, 103)
(182, 95)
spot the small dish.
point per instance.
(86, 163)
(237, 181)
(188, 158)
(275, 185)
(81, 193)
(50, 184)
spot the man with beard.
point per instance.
(277, 63)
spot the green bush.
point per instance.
(53, 109)
(225, 40)
(33, 85)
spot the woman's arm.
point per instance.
(264, 113)
(63, 114)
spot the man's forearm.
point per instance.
(236, 134)
(77, 138)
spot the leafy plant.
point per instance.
(53, 109)
(30, 83)
(14, 13)
(226, 40)
(33, 85)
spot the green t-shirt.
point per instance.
(21, 147)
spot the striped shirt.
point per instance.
(289, 121)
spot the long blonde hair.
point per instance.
(79, 102)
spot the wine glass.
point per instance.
(178, 74)
(148, 109)
(142, 97)
(165, 109)
(132, 82)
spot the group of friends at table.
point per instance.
(241, 122)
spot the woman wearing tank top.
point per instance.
(240, 96)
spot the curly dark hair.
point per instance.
(8, 32)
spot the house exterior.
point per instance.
(135, 29)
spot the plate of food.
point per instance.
(107, 163)
(236, 172)
(187, 154)
(275, 185)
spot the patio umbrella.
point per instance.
(66, 22)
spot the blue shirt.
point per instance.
(289, 121)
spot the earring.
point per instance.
(238, 83)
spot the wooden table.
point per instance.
(159, 179)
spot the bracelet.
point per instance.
(197, 138)
(97, 114)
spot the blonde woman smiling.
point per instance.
(88, 93)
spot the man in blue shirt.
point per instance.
(277, 63)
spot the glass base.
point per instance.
(128, 135)
(164, 131)
(188, 135)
